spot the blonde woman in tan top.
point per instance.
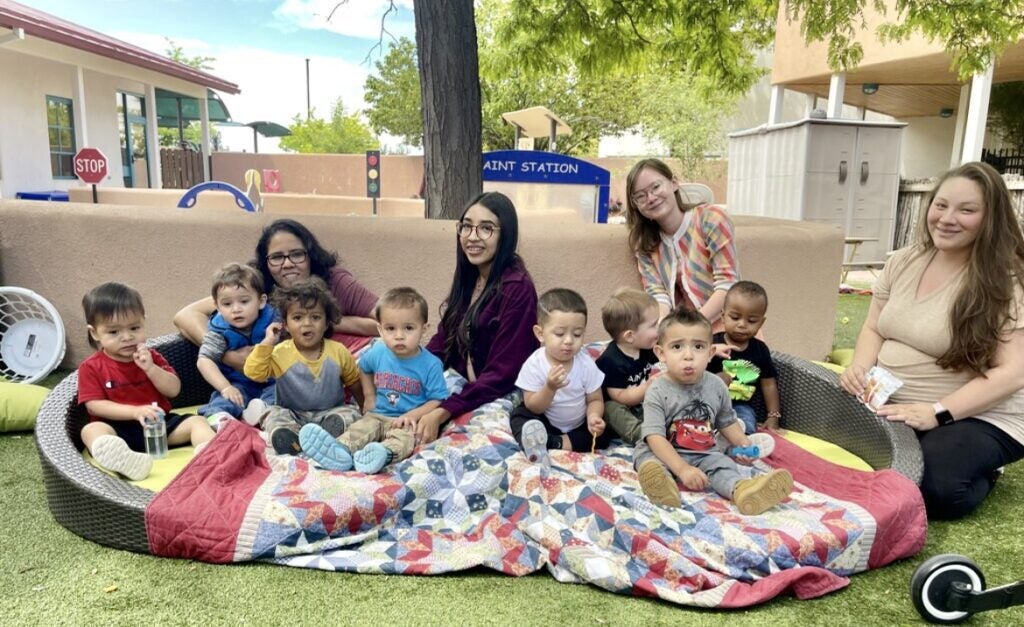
(947, 318)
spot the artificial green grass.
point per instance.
(51, 576)
(851, 311)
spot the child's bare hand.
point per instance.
(694, 479)
(143, 358)
(772, 424)
(557, 377)
(725, 377)
(273, 333)
(596, 426)
(147, 413)
(234, 395)
(406, 421)
(722, 350)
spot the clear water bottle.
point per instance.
(155, 432)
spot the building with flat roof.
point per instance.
(911, 81)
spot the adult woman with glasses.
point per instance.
(486, 329)
(288, 252)
(685, 251)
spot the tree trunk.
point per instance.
(450, 85)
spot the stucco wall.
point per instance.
(25, 82)
(401, 175)
(61, 250)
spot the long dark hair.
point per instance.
(321, 260)
(458, 316)
(984, 306)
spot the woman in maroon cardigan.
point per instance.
(486, 330)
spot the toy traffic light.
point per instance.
(373, 173)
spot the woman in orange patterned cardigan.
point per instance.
(685, 251)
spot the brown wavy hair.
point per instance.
(644, 234)
(985, 305)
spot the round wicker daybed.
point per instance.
(111, 512)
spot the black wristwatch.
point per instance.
(942, 414)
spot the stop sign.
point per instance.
(90, 165)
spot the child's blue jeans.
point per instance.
(268, 393)
(746, 414)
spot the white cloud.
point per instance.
(273, 84)
(354, 18)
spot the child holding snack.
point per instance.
(748, 371)
(562, 406)
(124, 384)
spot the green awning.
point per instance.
(167, 108)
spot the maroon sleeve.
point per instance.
(436, 344)
(351, 296)
(513, 343)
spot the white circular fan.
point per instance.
(31, 336)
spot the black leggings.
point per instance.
(959, 464)
(580, 437)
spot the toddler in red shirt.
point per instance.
(124, 383)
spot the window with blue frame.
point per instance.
(60, 121)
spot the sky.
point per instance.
(260, 45)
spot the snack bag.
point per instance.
(879, 387)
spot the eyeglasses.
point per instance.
(483, 231)
(652, 190)
(295, 256)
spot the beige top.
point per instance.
(916, 333)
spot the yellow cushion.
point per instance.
(163, 469)
(19, 404)
(827, 451)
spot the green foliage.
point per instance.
(686, 113)
(175, 53)
(394, 95)
(591, 106)
(193, 134)
(973, 31)
(712, 38)
(343, 133)
(1006, 113)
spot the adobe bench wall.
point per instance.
(61, 250)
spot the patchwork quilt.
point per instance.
(472, 499)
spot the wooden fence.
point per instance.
(180, 168)
(909, 206)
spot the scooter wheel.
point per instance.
(932, 583)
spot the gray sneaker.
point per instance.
(535, 443)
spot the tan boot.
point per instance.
(657, 484)
(763, 492)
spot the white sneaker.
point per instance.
(217, 420)
(114, 454)
(535, 443)
(253, 412)
(764, 442)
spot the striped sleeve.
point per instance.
(720, 237)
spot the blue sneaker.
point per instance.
(372, 458)
(323, 449)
